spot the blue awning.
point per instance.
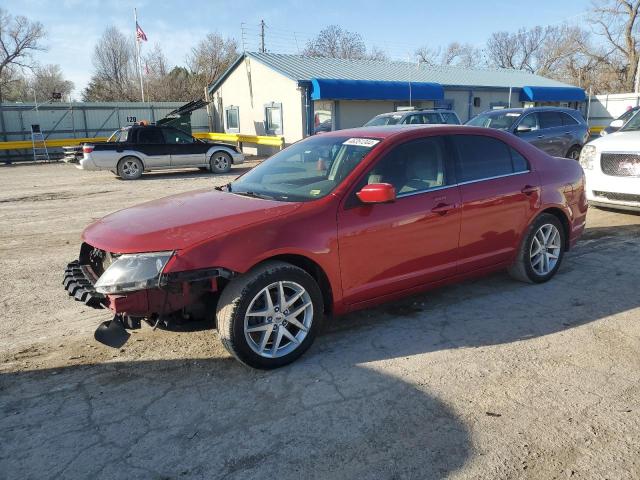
(333, 89)
(552, 94)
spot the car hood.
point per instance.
(619, 142)
(180, 221)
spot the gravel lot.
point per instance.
(487, 379)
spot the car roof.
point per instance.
(389, 131)
(529, 109)
(409, 112)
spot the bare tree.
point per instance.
(114, 77)
(210, 58)
(19, 39)
(457, 54)
(616, 21)
(48, 80)
(336, 42)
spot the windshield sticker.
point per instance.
(512, 114)
(314, 192)
(361, 142)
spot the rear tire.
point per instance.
(269, 316)
(220, 162)
(574, 153)
(130, 168)
(541, 252)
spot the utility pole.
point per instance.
(262, 36)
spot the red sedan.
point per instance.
(331, 224)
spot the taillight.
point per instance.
(87, 148)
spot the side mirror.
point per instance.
(377, 193)
(523, 129)
(617, 124)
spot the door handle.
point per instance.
(540, 136)
(529, 189)
(443, 208)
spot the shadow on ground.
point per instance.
(345, 410)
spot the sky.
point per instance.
(397, 27)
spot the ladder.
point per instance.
(40, 151)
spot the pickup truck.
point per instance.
(135, 149)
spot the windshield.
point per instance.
(306, 170)
(500, 121)
(633, 124)
(627, 115)
(114, 136)
(383, 120)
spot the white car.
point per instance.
(612, 168)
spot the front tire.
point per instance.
(220, 162)
(541, 252)
(269, 316)
(574, 153)
(130, 168)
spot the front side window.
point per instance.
(150, 135)
(413, 167)
(482, 157)
(233, 119)
(307, 170)
(273, 118)
(175, 137)
(530, 121)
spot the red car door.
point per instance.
(386, 248)
(499, 194)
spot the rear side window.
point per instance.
(568, 119)
(485, 157)
(150, 135)
(549, 119)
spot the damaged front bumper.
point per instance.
(79, 283)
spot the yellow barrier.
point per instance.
(241, 138)
(221, 137)
(54, 142)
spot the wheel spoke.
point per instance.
(289, 335)
(298, 311)
(294, 298)
(282, 301)
(265, 338)
(268, 299)
(276, 342)
(294, 321)
(258, 313)
(259, 328)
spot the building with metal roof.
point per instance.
(295, 96)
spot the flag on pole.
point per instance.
(140, 35)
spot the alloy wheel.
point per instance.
(545, 249)
(278, 319)
(130, 168)
(220, 163)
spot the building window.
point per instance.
(232, 118)
(273, 118)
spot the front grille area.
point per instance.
(620, 197)
(97, 259)
(79, 285)
(620, 164)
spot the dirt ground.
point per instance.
(488, 379)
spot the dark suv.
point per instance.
(415, 117)
(560, 132)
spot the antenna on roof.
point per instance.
(262, 50)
